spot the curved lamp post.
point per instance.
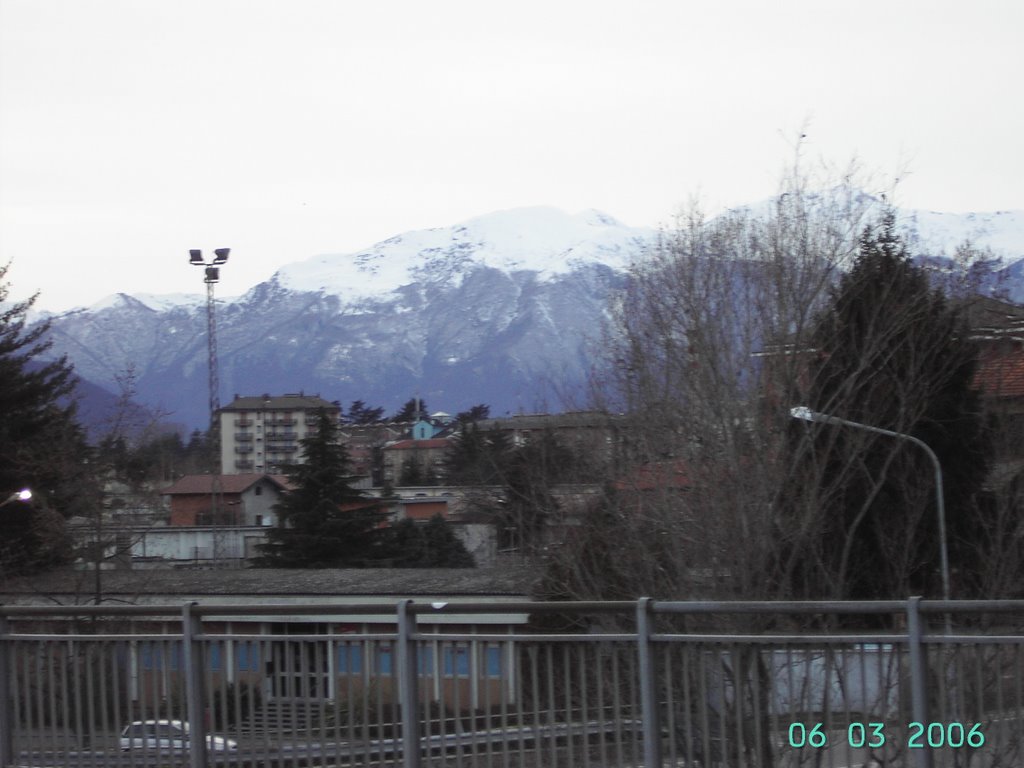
(806, 414)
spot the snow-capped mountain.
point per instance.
(497, 309)
(500, 309)
(543, 241)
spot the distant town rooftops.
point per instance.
(432, 442)
(296, 402)
(991, 319)
(570, 419)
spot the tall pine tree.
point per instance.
(888, 352)
(322, 522)
(42, 446)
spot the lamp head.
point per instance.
(221, 255)
(802, 412)
(23, 495)
(195, 257)
(212, 275)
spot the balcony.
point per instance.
(243, 464)
(243, 449)
(243, 422)
(283, 421)
(243, 437)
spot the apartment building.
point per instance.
(261, 434)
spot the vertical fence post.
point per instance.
(918, 674)
(407, 688)
(7, 705)
(193, 661)
(648, 685)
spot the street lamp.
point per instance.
(23, 495)
(804, 413)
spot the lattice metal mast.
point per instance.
(214, 363)
(212, 275)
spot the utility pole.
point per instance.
(211, 277)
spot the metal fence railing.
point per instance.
(645, 683)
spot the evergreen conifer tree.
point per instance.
(42, 446)
(428, 545)
(360, 413)
(889, 352)
(322, 521)
(443, 549)
(476, 456)
(413, 410)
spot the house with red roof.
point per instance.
(243, 499)
(998, 329)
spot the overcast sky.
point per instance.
(134, 130)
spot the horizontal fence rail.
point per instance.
(649, 683)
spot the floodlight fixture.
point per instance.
(212, 274)
(221, 255)
(195, 257)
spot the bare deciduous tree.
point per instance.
(704, 344)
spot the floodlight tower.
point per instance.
(211, 277)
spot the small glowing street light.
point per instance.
(23, 495)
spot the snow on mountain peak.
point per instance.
(153, 301)
(936, 232)
(540, 239)
(550, 242)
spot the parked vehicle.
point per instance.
(167, 736)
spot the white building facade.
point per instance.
(262, 433)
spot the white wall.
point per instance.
(260, 505)
(181, 544)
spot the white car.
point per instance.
(168, 736)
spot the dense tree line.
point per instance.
(359, 413)
(323, 522)
(158, 459)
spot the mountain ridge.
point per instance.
(500, 309)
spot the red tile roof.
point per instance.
(203, 484)
(1000, 373)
